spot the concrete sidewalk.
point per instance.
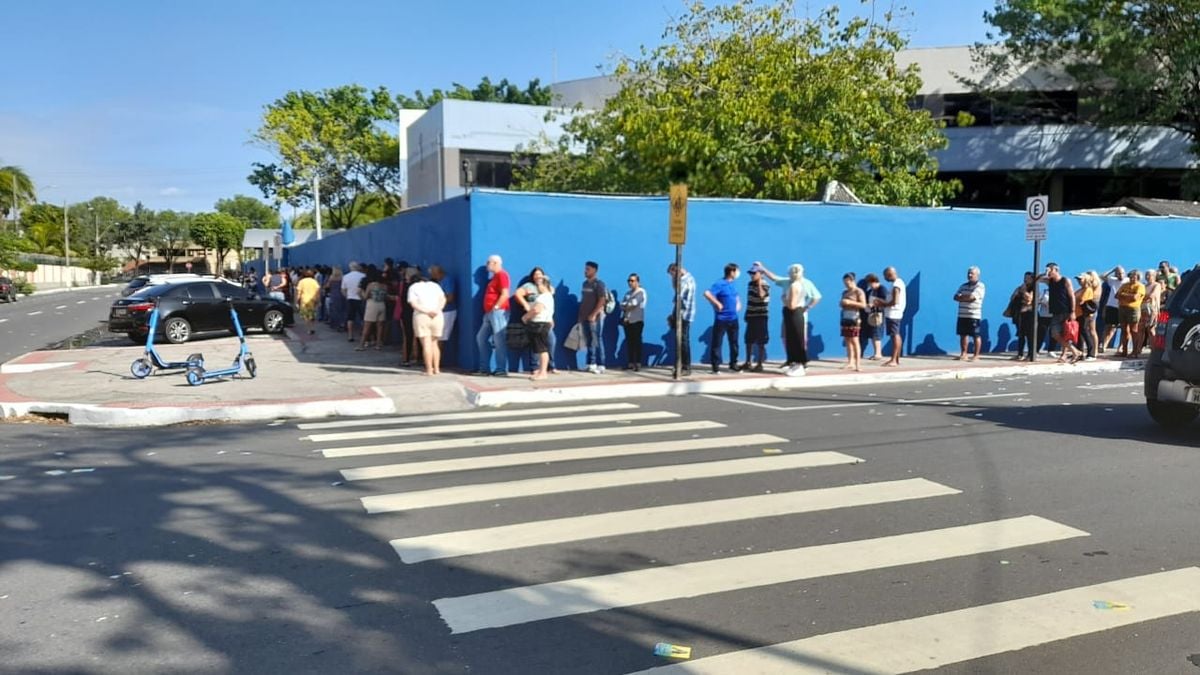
(303, 376)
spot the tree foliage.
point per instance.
(255, 213)
(1137, 61)
(220, 232)
(171, 232)
(97, 221)
(344, 137)
(504, 91)
(15, 189)
(754, 102)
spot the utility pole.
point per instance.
(317, 204)
(67, 239)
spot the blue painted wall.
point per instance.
(435, 234)
(931, 248)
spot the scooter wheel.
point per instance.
(141, 368)
(251, 367)
(196, 360)
(195, 376)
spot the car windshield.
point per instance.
(1186, 300)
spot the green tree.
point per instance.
(502, 92)
(219, 231)
(15, 189)
(342, 137)
(170, 234)
(1136, 63)
(43, 227)
(255, 213)
(95, 224)
(754, 102)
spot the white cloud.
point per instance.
(171, 192)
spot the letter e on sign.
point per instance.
(677, 232)
(1036, 211)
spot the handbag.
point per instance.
(1071, 330)
(516, 336)
(574, 341)
(875, 319)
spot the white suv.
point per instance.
(148, 280)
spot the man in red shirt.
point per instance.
(492, 333)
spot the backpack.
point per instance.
(610, 302)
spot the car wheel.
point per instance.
(136, 338)
(273, 321)
(177, 330)
(1172, 416)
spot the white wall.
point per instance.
(56, 276)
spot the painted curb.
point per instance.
(644, 389)
(103, 416)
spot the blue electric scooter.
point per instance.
(141, 368)
(197, 375)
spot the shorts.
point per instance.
(1111, 316)
(1056, 324)
(1128, 315)
(850, 329)
(308, 312)
(757, 332)
(967, 327)
(892, 326)
(425, 326)
(539, 337)
(448, 317)
(375, 311)
(354, 311)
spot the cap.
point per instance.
(756, 268)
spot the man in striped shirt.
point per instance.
(686, 284)
(970, 312)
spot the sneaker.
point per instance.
(797, 371)
(593, 368)
(599, 370)
(757, 369)
(1090, 358)
(716, 371)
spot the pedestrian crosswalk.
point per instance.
(537, 459)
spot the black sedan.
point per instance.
(195, 307)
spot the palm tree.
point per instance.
(15, 189)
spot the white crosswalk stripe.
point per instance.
(617, 435)
(963, 635)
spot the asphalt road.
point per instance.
(245, 550)
(39, 320)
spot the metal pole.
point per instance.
(67, 240)
(317, 201)
(678, 313)
(1037, 263)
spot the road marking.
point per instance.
(939, 640)
(61, 307)
(591, 594)
(3, 320)
(486, 492)
(654, 519)
(492, 426)
(448, 417)
(864, 404)
(20, 368)
(547, 456)
(518, 439)
(1122, 385)
(35, 313)
(81, 302)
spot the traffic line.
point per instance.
(548, 456)
(448, 417)
(862, 404)
(61, 307)
(658, 518)
(939, 640)
(81, 302)
(518, 439)
(591, 594)
(485, 492)
(3, 320)
(1119, 385)
(34, 313)
(492, 426)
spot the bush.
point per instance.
(24, 286)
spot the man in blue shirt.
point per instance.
(727, 305)
(686, 284)
(450, 311)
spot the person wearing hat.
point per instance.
(758, 296)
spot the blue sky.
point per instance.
(154, 101)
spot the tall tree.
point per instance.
(504, 91)
(16, 189)
(43, 226)
(219, 231)
(171, 232)
(96, 222)
(255, 213)
(755, 102)
(1136, 63)
(342, 137)
(136, 233)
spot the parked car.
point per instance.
(146, 280)
(196, 306)
(8, 291)
(1172, 378)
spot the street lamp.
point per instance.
(96, 246)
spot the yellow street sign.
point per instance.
(677, 234)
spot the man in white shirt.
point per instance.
(1114, 279)
(970, 313)
(427, 299)
(893, 313)
(354, 303)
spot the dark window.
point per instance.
(490, 169)
(201, 291)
